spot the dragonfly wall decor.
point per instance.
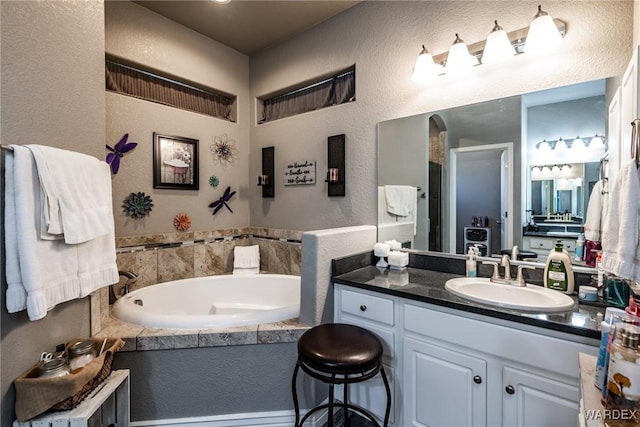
(222, 201)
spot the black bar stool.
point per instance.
(337, 353)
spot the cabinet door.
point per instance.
(530, 400)
(442, 387)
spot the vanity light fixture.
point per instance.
(578, 142)
(425, 67)
(498, 48)
(545, 169)
(483, 52)
(459, 59)
(543, 33)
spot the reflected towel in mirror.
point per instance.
(401, 199)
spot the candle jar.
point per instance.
(81, 353)
(623, 376)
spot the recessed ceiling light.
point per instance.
(222, 1)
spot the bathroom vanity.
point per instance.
(543, 237)
(458, 363)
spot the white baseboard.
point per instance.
(255, 419)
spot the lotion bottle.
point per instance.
(471, 266)
(558, 272)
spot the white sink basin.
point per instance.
(528, 298)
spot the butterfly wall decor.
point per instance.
(122, 147)
(222, 201)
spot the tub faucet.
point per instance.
(131, 278)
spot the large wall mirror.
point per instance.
(493, 168)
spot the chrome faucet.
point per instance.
(505, 262)
(131, 278)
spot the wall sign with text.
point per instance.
(300, 173)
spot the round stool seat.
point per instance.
(339, 348)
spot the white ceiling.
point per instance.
(248, 26)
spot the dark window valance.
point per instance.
(329, 91)
(131, 81)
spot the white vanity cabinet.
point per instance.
(542, 245)
(500, 375)
(454, 368)
(377, 313)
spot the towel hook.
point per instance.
(635, 141)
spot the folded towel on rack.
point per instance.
(42, 273)
(76, 194)
(401, 199)
(620, 232)
(596, 210)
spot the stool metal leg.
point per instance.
(330, 413)
(296, 407)
(346, 401)
(388, 389)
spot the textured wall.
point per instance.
(144, 37)
(53, 94)
(318, 249)
(383, 40)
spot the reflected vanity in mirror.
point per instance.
(502, 169)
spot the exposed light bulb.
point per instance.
(498, 48)
(543, 34)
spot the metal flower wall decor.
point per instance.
(214, 181)
(137, 205)
(222, 201)
(117, 152)
(182, 222)
(224, 149)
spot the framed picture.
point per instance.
(175, 162)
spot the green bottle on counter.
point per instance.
(558, 272)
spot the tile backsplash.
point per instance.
(161, 258)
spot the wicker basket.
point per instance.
(73, 401)
(37, 395)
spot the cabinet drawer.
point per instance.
(539, 243)
(548, 244)
(367, 306)
(569, 245)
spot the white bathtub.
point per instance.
(212, 302)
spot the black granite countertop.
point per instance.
(428, 286)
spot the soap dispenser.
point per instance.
(471, 266)
(558, 272)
